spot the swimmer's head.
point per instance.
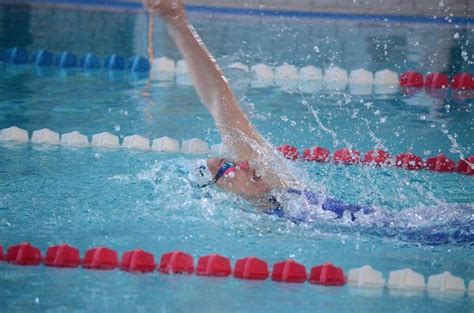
(237, 177)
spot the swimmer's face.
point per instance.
(243, 181)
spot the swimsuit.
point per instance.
(299, 209)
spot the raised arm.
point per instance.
(215, 93)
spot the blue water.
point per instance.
(132, 199)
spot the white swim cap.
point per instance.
(201, 173)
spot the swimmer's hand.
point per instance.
(170, 10)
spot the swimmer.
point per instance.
(257, 174)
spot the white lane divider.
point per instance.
(311, 79)
(262, 76)
(361, 82)
(14, 134)
(239, 66)
(136, 142)
(446, 282)
(220, 149)
(311, 73)
(182, 74)
(365, 276)
(163, 69)
(195, 146)
(45, 136)
(335, 78)
(105, 140)
(386, 82)
(406, 279)
(165, 144)
(286, 72)
(74, 139)
(108, 140)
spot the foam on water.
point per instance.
(433, 225)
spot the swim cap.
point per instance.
(201, 173)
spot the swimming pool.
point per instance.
(128, 199)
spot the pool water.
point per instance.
(128, 199)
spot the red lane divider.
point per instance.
(176, 262)
(100, 258)
(251, 268)
(377, 157)
(346, 156)
(213, 265)
(440, 164)
(24, 254)
(138, 261)
(437, 80)
(289, 152)
(466, 166)
(460, 81)
(411, 79)
(327, 275)
(318, 154)
(289, 271)
(408, 161)
(62, 256)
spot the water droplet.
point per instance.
(456, 35)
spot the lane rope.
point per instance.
(248, 268)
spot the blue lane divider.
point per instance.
(3, 55)
(90, 61)
(17, 56)
(67, 59)
(114, 62)
(138, 64)
(42, 58)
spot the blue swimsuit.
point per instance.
(334, 205)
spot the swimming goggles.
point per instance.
(225, 167)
